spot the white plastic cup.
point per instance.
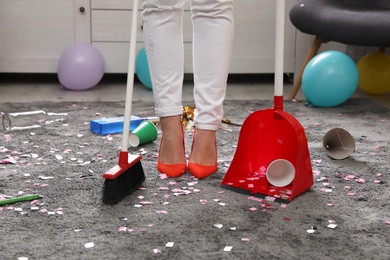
(280, 173)
(338, 143)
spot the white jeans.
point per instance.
(213, 30)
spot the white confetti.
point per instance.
(218, 225)
(332, 226)
(228, 248)
(45, 177)
(169, 244)
(89, 245)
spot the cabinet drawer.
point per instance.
(114, 26)
(120, 4)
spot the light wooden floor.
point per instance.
(45, 87)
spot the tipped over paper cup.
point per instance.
(338, 143)
(280, 173)
(144, 133)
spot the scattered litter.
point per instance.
(157, 251)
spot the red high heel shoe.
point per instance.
(201, 171)
(171, 170)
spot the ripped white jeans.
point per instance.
(213, 29)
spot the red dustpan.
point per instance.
(269, 135)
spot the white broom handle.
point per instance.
(130, 78)
(279, 47)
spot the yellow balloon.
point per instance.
(374, 73)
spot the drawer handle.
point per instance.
(82, 9)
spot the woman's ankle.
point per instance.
(204, 150)
(172, 150)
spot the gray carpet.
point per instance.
(201, 219)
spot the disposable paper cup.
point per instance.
(280, 173)
(144, 133)
(338, 143)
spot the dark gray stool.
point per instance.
(352, 22)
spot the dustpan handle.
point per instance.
(279, 53)
(130, 78)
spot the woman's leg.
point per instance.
(212, 46)
(163, 37)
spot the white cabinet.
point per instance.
(34, 33)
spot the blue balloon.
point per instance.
(329, 79)
(142, 68)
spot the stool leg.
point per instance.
(310, 55)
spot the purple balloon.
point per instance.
(80, 67)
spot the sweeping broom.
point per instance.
(126, 177)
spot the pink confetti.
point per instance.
(361, 180)
(351, 194)
(347, 187)
(316, 172)
(163, 176)
(329, 204)
(245, 239)
(387, 222)
(253, 209)
(122, 229)
(203, 202)
(146, 202)
(283, 206)
(162, 212)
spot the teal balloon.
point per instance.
(329, 79)
(142, 68)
